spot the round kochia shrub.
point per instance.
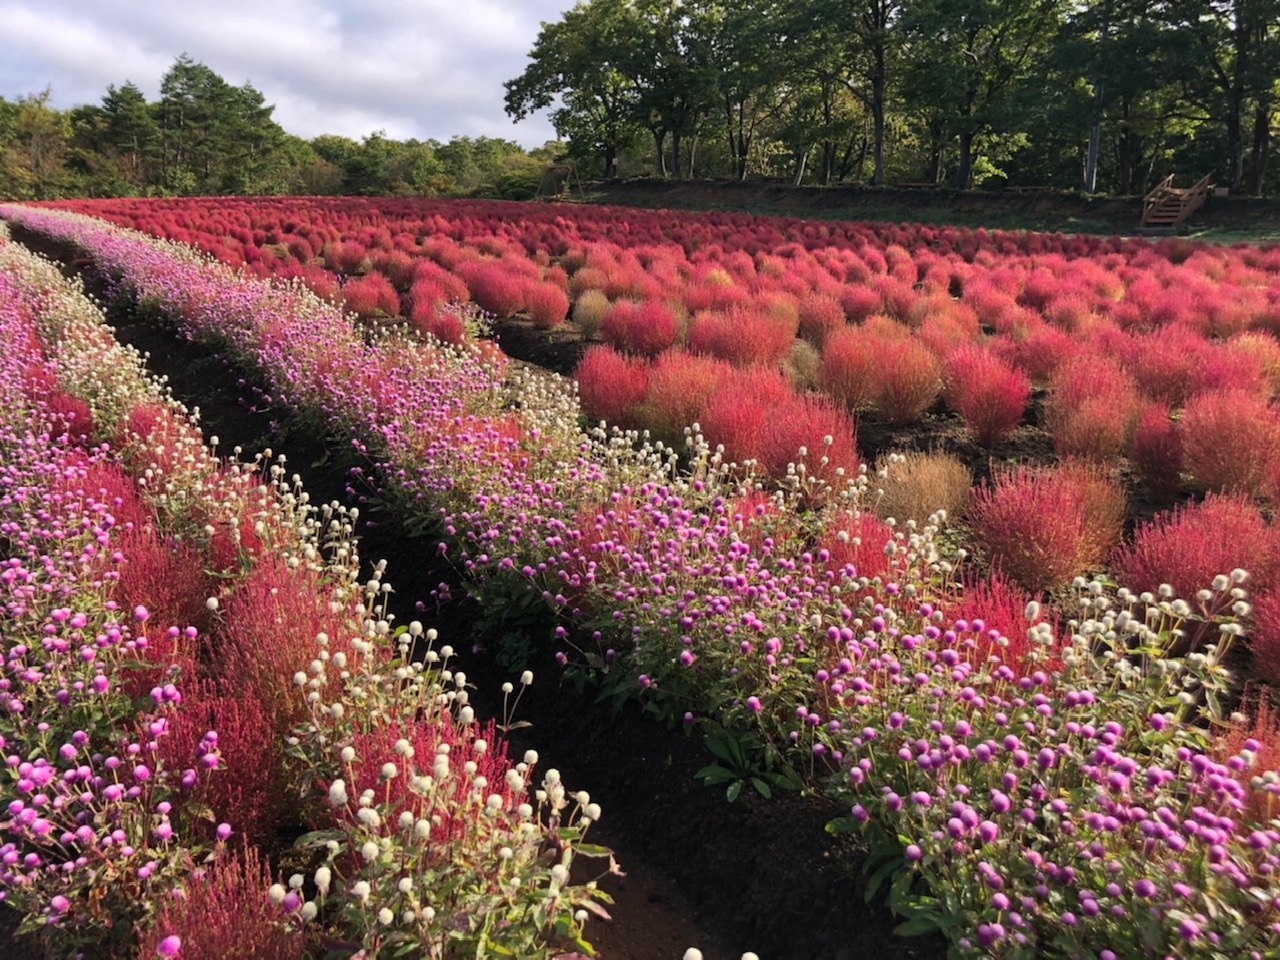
(1190, 545)
(849, 367)
(642, 328)
(494, 288)
(1228, 439)
(907, 380)
(546, 304)
(1044, 526)
(371, 296)
(743, 335)
(610, 385)
(1156, 452)
(989, 395)
(680, 386)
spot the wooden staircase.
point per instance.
(1167, 206)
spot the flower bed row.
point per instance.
(1030, 785)
(153, 592)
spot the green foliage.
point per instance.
(743, 759)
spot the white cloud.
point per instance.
(414, 68)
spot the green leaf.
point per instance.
(319, 837)
(762, 788)
(592, 850)
(715, 774)
(720, 748)
(918, 925)
(877, 879)
(734, 791)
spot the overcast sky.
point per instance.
(414, 68)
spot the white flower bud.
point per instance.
(338, 794)
(323, 878)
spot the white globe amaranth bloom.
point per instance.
(338, 794)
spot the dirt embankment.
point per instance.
(1011, 208)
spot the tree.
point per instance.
(1233, 60)
(854, 44)
(34, 139)
(576, 63)
(966, 59)
(131, 132)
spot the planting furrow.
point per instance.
(1028, 786)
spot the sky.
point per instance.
(412, 68)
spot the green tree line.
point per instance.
(204, 136)
(1107, 95)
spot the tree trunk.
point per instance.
(1235, 144)
(828, 162)
(677, 160)
(801, 160)
(878, 84)
(1261, 153)
(938, 149)
(964, 169)
(693, 155)
(660, 150)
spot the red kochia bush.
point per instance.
(807, 421)
(1092, 408)
(1001, 607)
(371, 295)
(1264, 645)
(849, 367)
(859, 302)
(246, 792)
(1045, 526)
(820, 316)
(269, 626)
(1156, 451)
(988, 394)
(858, 538)
(610, 385)
(443, 323)
(1228, 437)
(449, 813)
(743, 335)
(738, 413)
(494, 288)
(225, 912)
(906, 378)
(69, 415)
(546, 304)
(344, 257)
(642, 328)
(1190, 545)
(680, 386)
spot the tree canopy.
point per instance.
(204, 136)
(1066, 93)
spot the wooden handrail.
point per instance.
(1168, 206)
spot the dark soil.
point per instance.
(754, 875)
